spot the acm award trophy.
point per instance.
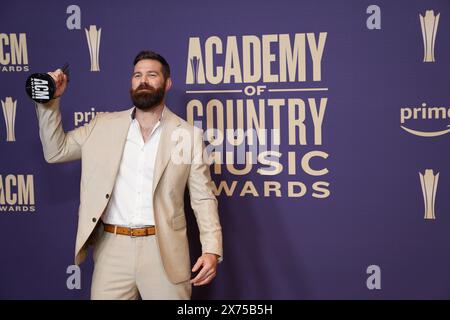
(429, 25)
(9, 113)
(429, 183)
(41, 87)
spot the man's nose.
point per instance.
(144, 79)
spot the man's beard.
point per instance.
(147, 99)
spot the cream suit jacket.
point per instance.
(100, 145)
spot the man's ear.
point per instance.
(168, 84)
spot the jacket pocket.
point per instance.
(179, 222)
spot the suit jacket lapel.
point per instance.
(169, 123)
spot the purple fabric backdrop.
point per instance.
(275, 247)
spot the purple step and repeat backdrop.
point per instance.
(328, 120)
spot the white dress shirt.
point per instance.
(131, 202)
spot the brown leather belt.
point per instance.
(133, 232)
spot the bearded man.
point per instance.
(133, 182)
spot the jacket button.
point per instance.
(107, 196)
(94, 219)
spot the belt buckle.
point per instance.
(131, 233)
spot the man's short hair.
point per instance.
(151, 55)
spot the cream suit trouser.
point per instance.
(131, 268)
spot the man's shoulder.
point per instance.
(183, 123)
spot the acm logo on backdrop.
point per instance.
(16, 190)
(234, 76)
(17, 193)
(13, 58)
(13, 52)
